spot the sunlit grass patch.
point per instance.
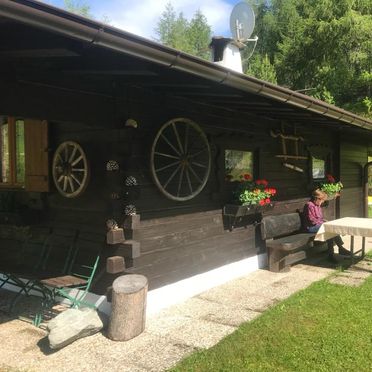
(325, 327)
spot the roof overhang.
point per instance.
(156, 67)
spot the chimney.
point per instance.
(226, 52)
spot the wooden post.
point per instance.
(128, 315)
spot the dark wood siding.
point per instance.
(178, 239)
(353, 157)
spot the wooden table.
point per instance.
(353, 226)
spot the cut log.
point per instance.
(128, 315)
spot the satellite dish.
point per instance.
(242, 21)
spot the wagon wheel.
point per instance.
(70, 169)
(180, 159)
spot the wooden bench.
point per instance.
(285, 240)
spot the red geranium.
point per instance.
(330, 178)
(254, 192)
(262, 182)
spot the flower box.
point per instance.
(253, 193)
(239, 210)
(331, 187)
(332, 196)
(236, 213)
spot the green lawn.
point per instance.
(325, 327)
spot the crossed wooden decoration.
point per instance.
(293, 142)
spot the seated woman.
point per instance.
(313, 219)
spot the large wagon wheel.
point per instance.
(70, 169)
(180, 159)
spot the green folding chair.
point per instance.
(54, 260)
(75, 284)
(18, 269)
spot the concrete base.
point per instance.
(174, 293)
(164, 297)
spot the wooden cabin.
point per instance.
(95, 123)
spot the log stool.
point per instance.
(128, 315)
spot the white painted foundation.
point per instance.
(161, 298)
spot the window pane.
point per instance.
(20, 151)
(4, 147)
(238, 163)
(318, 166)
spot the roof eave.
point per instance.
(62, 22)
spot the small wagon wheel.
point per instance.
(180, 159)
(70, 169)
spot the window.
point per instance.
(318, 168)
(23, 154)
(238, 163)
(320, 162)
(12, 151)
(5, 162)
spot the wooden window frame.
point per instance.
(13, 184)
(323, 153)
(36, 156)
(312, 168)
(255, 167)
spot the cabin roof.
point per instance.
(50, 46)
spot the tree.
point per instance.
(81, 8)
(199, 35)
(177, 32)
(166, 25)
(323, 47)
(260, 67)
(78, 7)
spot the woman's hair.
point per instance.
(318, 194)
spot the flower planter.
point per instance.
(333, 196)
(234, 210)
(236, 213)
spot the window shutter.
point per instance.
(36, 155)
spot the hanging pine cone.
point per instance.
(111, 224)
(112, 165)
(130, 210)
(131, 181)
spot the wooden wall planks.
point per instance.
(177, 239)
(353, 157)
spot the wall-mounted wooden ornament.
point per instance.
(293, 167)
(289, 142)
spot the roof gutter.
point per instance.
(48, 17)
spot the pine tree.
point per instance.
(177, 32)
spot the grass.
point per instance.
(325, 327)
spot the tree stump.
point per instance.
(128, 315)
